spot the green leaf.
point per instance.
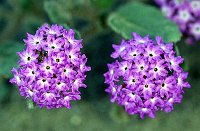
(8, 57)
(66, 26)
(61, 11)
(56, 12)
(103, 4)
(143, 19)
(77, 34)
(118, 114)
(3, 89)
(30, 104)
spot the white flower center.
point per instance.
(122, 48)
(48, 94)
(70, 41)
(67, 98)
(59, 85)
(18, 79)
(30, 92)
(52, 32)
(196, 29)
(184, 15)
(179, 81)
(114, 90)
(36, 40)
(170, 100)
(153, 100)
(67, 70)
(142, 41)
(195, 5)
(111, 71)
(144, 109)
(131, 95)
(76, 82)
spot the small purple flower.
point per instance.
(195, 7)
(152, 80)
(195, 29)
(51, 68)
(186, 14)
(167, 10)
(27, 56)
(119, 49)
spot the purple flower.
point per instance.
(119, 49)
(186, 14)
(51, 68)
(195, 7)
(34, 41)
(195, 29)
(167, 10)
(152, 80)
(27, 56)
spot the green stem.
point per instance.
(30, 104)
(177, 50)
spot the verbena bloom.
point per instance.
(51, 68)
(186, 14)
(146, 76)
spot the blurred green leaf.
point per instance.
(30, 104)
(177, 50)
(77, 34)
(61, 11)
(103, 4)
(25, 4)
(56, 12)
(3, 89)
(143, 19)
(8, 57)
(118, 114)
(66, 26)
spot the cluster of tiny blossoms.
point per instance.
(51, 68)
(147, 76)
(186, 13)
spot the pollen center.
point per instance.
(47, 67)
(43, 80)
(57, 60)
(29, 58)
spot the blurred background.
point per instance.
(94, 112)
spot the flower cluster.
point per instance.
(147, 76)
(51, 68)
(186, 14)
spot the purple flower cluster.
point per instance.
(51, 68)
(147, 76)
(186, 14)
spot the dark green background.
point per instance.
(94, 112)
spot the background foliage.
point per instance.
(100, 23)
